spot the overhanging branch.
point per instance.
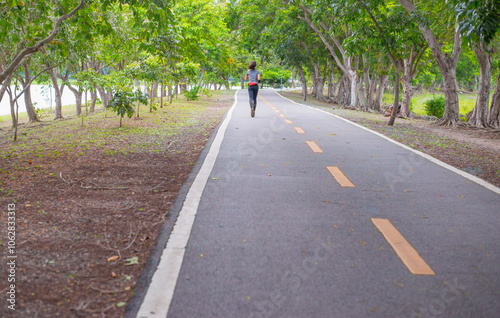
(18, 58)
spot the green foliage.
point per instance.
(478, 20)
(140, 97)
(435, 106)
(122, 103)
(272, 76)
(192, 94)
(195, 92)
(206, 92)
(467, 68)
(41, 112)
(185, 71)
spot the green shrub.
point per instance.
(122, 103)
(435, 106)
(206, 92)
(192, 94)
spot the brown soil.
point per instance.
(88, 210)
(472, 150)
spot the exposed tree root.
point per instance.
(449, 122)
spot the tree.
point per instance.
(447, 63)
(40, 32)
(479, 22)
(333, 31)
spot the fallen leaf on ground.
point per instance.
(113, 258)
(131, 261)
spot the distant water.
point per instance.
(42, 97)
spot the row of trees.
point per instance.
(356, 46)
(97, 48)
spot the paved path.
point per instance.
(306, 215)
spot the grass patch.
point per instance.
(100, 131)
(466, 101)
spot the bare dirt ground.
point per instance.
(90, 202)
(472, 150)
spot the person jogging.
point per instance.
(253, 78)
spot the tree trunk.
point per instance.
(30, 109)
(12, 106)
(479, 115)
(383, 79)
(368, 83)
(78, 98)
(104, 96)
(5, 85)
(373, 88)
(57, 93)
(183, 87)
(451, 114)
(154, 90)
(395, 106)
(321, 86)
(494, 114)
(336, 87)
(314, 85)
(303, 81)
(318, 83)
(293, 78)
(243, 79)
(407, 80)
(162, 89)
(93, 99)
(361, 101)
(410, 64)
(16, 120)
(331, 86)
(354, 80)
(344, 95)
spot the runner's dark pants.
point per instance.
(253, 90)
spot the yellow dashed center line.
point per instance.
(282, 115)
(410, 257)
(288, 121)
(299, 130)
(340, 177)
(314, 146)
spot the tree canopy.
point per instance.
(356, 48)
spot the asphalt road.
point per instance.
(306, 215)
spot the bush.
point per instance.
(435, 106)
(122, 103)
(192, 94)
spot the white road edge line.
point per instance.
(464, 174)
(161, 289)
